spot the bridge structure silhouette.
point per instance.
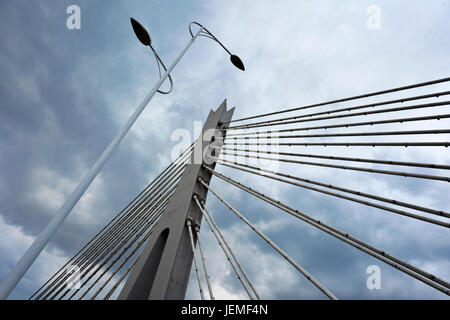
(147, 250)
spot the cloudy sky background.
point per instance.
(65, 93)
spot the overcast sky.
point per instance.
(65, 93)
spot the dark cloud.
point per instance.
(65, 93)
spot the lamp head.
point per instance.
(141, 33)
(237, 62)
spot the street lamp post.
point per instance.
(17, 272)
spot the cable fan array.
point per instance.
(98, 269)
(251, 148)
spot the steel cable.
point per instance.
(371, 204)
(340, 235)
(215, 228)
(369, 105)
(329, 165)
(111, 224)
(302, 270)
(345, 125)
(107, 245)
(318, 156)
(347, 115)
(416, 85)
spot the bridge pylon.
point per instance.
(163, 269)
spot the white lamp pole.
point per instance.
(17, 272)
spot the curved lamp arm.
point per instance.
(235, 60)
(160, 62)
(145, 39)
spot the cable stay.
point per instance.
(367, 95)
(367, 203)
(415, 272)
(273, 245)
(221, 240)
(337, 127)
